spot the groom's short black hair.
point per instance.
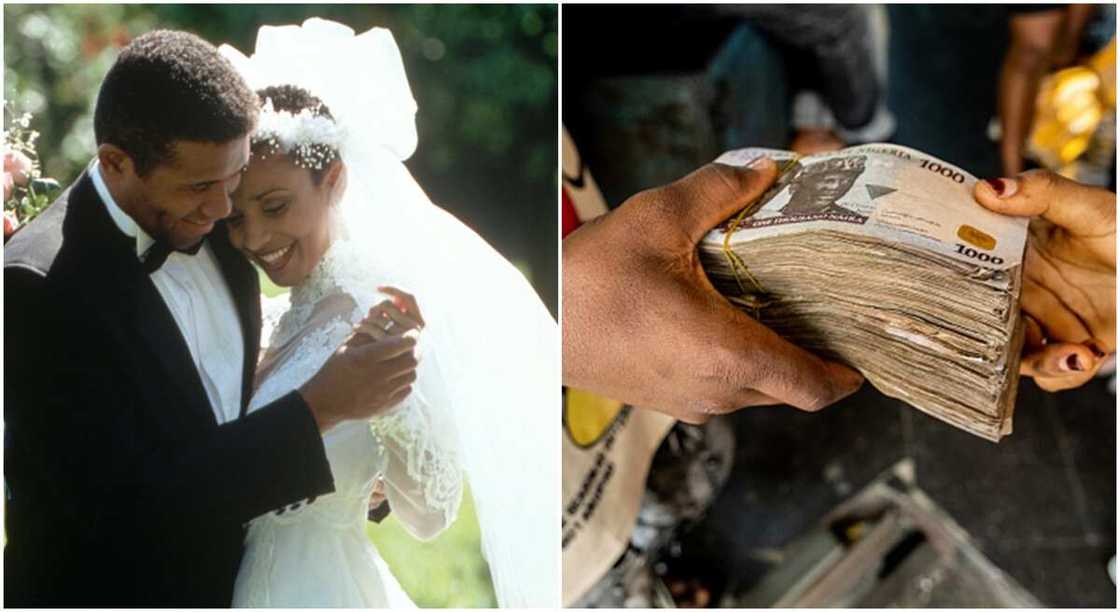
(169, 86)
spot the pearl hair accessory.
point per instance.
(311, 140)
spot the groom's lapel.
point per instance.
(162, 335)
(128, 297)
(245, 287)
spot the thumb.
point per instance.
(779, 369)
(708, 196)
(1080, 209)
(805, 381)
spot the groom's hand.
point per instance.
(359, 382)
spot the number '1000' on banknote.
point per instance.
(878, 190)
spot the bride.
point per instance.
(327, 207)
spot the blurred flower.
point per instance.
(10, 221)
(26, 191)
(17, 166)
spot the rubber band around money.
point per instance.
(739, 267)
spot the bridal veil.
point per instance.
(497, 345)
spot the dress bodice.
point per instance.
(409, 449)
(303, 333)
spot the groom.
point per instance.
(131, 336)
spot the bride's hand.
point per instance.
(406, 303)
(393, 317)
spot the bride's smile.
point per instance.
(281, 215)
(272, 260)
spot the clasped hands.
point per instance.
(374, 370)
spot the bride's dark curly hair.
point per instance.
(293, 99)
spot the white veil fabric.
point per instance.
(497, 344)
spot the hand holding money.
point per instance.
(644, 325)
(1069, 273)
(878, 256)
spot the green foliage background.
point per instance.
(484, 78)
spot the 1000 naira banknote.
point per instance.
(882, 191)
(880, 257)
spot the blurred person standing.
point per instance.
(1073, 123)
(835, 62)
(644, 114)
(954, 67)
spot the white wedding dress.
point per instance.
(489, 374)
(316, 553)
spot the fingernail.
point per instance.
(1072, 363)
(1004, 188)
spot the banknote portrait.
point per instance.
(816, 188)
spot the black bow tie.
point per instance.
(159, 251)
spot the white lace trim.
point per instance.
(431, 454)
(427, 461)
(339, 271)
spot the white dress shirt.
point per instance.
(194, 290)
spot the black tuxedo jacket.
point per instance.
(122, 489)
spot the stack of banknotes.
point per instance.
(878, 256)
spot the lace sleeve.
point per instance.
(294, 355)
(272, 309)
(423, 476)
